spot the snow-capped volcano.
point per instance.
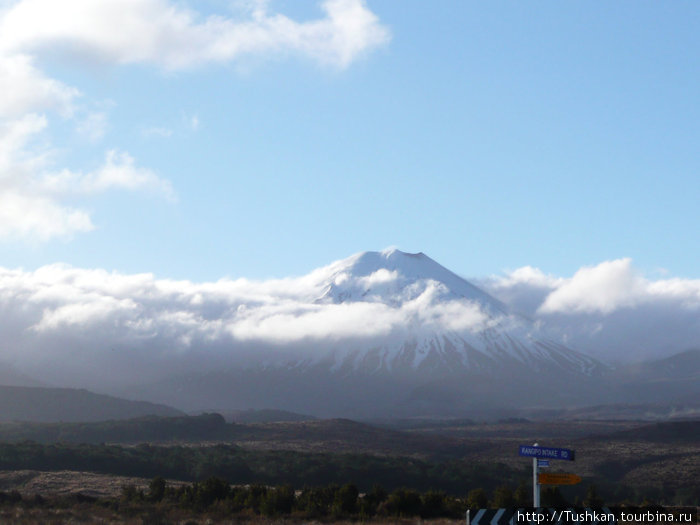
(393, 333)
(435, 321)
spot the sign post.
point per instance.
(538, 453)
(535, 483)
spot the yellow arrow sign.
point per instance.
(556, 478)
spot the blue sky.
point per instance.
(489, 135)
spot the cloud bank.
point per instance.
(38, 199)
(169, 35)
(609, 310)
(65, 324)
(59, 321)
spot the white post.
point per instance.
(535, 484)
(469, 518)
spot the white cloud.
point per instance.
(292, 322)
(15, 136)
(119, 171)
(523, 290)
(194, 123)
(531, 276)
(602, 289)
(167, 34)
(90, 312)
(25, 89)
(29, 216)
(609, 286)
(32, 197)
(609, 310)
(23, 211)
(36, 201)
(93, 126)
(686, 291)
(157, 132)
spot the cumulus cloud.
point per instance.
(24, 212)
(93, 126)
(41, 218)
(609, 310)
(15, 135)
(34, 196)
(26, 89)
(604, 288)
(168, 34)
(523, 289)
(119, 171)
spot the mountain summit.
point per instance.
(392, 275)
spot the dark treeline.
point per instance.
(206, 427)
(216, 498)
(242, 466)
(343, 501)
(239, 466)
(332, 501)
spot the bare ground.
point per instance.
(67, 483)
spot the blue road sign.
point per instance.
(542, 462)
(546, 453)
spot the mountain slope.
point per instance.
(71, 405)
(11, 377)
(673, 380)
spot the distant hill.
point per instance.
(10, 376)
(333, 436)
(686, 409)
(265, 416)
(20, 403)
(665, 432)
(146, 429)
(683, 366)
(674, 381)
